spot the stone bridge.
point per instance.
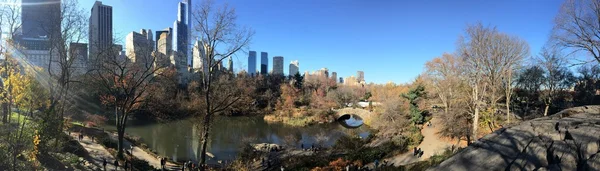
(365, 115)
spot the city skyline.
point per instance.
(401, 45)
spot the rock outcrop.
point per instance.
(568, 140)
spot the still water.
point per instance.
(180, 140)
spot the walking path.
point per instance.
(97, 152)
(432, 144)
(143, 155)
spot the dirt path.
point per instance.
(97, 152)
(431, 145)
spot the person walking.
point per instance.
(126, 165)
(376, 163)
(104, 163)
(116, 165)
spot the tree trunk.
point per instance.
(475, 122)
(4, 112)
(546, 109)
(507, 109)
(121, 133)
(204, 146)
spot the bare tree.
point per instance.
(576, 26)
(557, 76)
(473, 48)
(70, 27)
(220, 37)
(443, 73)
(124, 83)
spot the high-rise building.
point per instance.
(264, 63)
(40, 21)
(199, 60)
(230, 65)
(79, 54)
(163, 47)
(278, 65)
(360, 76)
(334, 76)
(252, 63)
(40, 18)
(181, 31)
(100, 33)
(139, 48)
(294, 67)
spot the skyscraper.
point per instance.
(163, 47)
(334, 76)
(139, 48)
(230, 64)
(360, 76)
(79, 53)
(278, 65)
(100, 32)
(181, 31)
(264, 63)
(40, 18)
(252, 63)
(294, 67)
(199, 60)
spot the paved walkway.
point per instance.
(143, 155)
(97, 152)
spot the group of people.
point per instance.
(126, 166)
(189, 165)
(418, 152)
(312, 147)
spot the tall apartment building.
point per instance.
(139, 48)
(230, 65)
(334, 76)
(252, 63)
(199, 59)
(40, 18)
(294, 68)
(163, 47)
(79, 54)
(264, 63)
(360, 76)
(38, 24)
(100, 33)
(181, 31)
(278, 65)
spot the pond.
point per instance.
(179, 140)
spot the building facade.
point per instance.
(360, 76)
(40, 18)
(163, 47)
(139, 48)
(100, 33)
(181, 32)
(278, 65)
(199, 60)
(252, 63)
(79, 54)
(294, 68)
(334, 76)
(230, 64)
(264, 63)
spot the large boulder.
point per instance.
(568, 140)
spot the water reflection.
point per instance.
(180, 140)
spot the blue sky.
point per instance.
(388, 40)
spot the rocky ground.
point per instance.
(568, 140)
